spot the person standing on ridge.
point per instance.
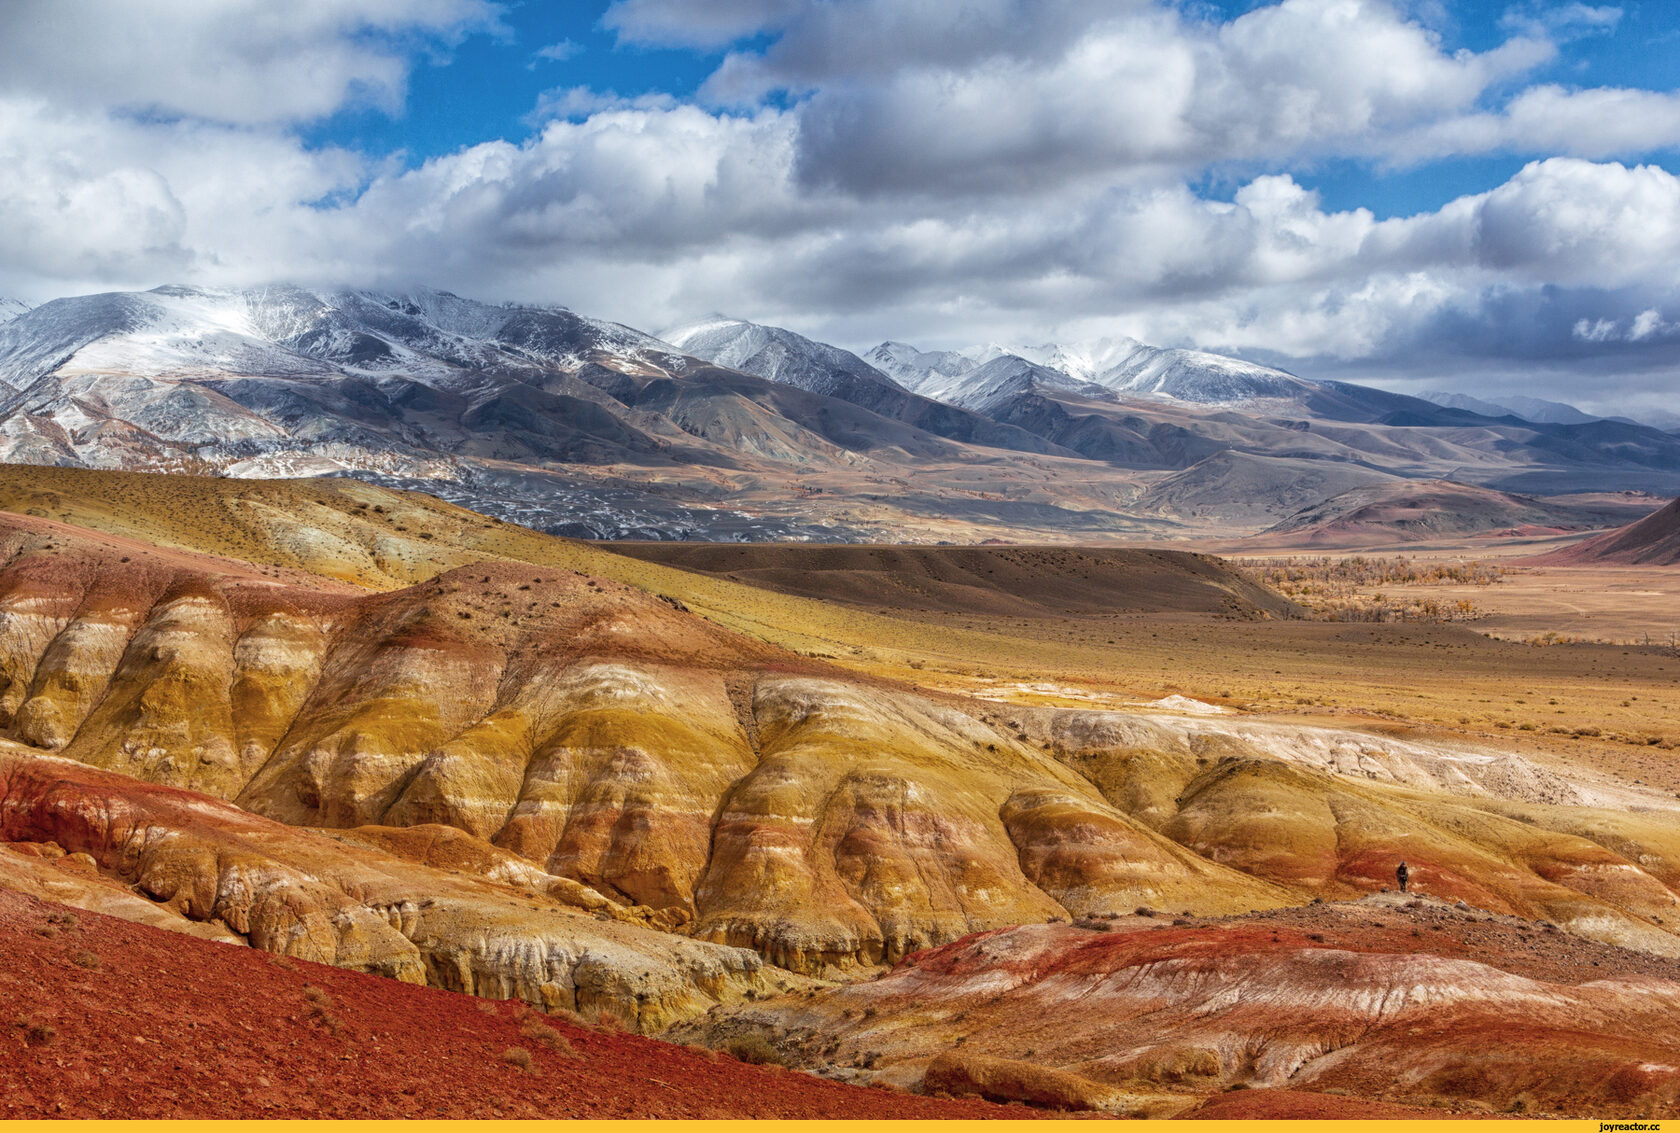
(1401, 875)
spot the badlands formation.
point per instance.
(358, 727)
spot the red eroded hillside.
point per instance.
(1390, 1001)
(1652, 541)
(103, 1018)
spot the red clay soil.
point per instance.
(100, 1018)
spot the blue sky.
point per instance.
(1408, 192)
(489, 85)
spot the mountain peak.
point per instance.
(775, 353)
(1117, 364)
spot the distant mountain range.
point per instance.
(1541, 411)
(1120, 365)
(725, 429)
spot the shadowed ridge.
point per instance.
(1006, 581)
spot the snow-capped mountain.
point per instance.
(1120, 365)
(289, 331)
(780, 355)
(774, 353)
(11, 308)
(530, 413)
(585, 427)
(988, 386)
(281, 381)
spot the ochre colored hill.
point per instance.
(496, 762)
(1652, 541)
(419, 906)
(1392, 999)
(106, 1019)
(589, 728)
(989, 581)
(765, 800)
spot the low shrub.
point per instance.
(754, 1049)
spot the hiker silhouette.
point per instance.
(1401, 875)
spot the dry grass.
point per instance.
(320, 1008)
(535, 1030)
(754, 1049)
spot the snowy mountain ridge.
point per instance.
(734, 430)
(1122, 366)
(772, 353)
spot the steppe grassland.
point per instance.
(1613, 704)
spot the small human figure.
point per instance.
(1401, 875)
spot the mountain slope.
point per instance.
(1528, 408)
(1407, 511)
(582, 427)
(1246, 488)
(1652, 541)
(1120, 365)
(782, 356)
(532, 413)
(1119, 401)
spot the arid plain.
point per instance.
(1105, 829)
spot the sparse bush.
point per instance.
(520, 1057)
(319, 1008)
(39, 1034)
(544, 1035)
(485, 1007)
(754, 1049)
(1342, 590)
(85, 959)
